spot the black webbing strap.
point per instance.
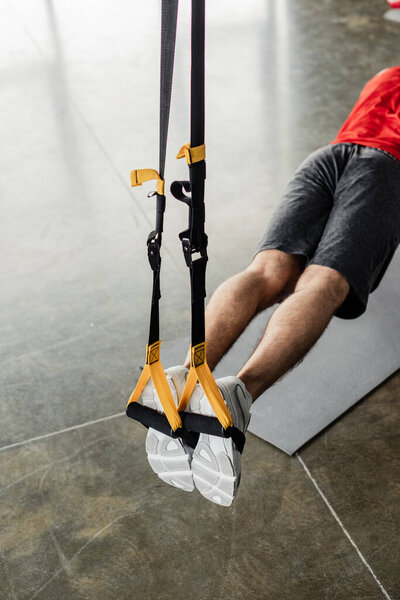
(169, 13)
(194, 239)
(197, 74)
(197, 174)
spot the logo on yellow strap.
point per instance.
(153, 353)
(199, 355)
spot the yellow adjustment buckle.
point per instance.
(200, 372)
(153, 369)
(192, 155)
(139, 176)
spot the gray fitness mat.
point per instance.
(392, 15)
(350, 360)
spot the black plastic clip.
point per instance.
(187, 249)
(153, 250)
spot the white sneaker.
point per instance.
(216, 463)
(169, 457)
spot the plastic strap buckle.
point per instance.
(153, 251)
(189, 248)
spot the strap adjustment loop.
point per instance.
(192, 155)
(139, 176)
(177, 190)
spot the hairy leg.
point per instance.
(294, 327)
(267, 279)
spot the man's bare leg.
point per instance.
(294, 327)
(270, 276)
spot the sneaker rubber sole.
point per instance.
(216, 463)
(216, 469)
(169, 457)
(169, 460)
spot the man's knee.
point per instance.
(277, 270)
(332, 285)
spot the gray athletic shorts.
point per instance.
(342, 210)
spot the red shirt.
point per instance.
(375, 118)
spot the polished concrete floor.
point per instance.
(82, 515)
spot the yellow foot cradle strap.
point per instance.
(153, 369)
(200, 371)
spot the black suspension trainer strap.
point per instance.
(194, 238)
(169, 13)
(194, 243)
(153, 368)
(197, 174)
(176, 422)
